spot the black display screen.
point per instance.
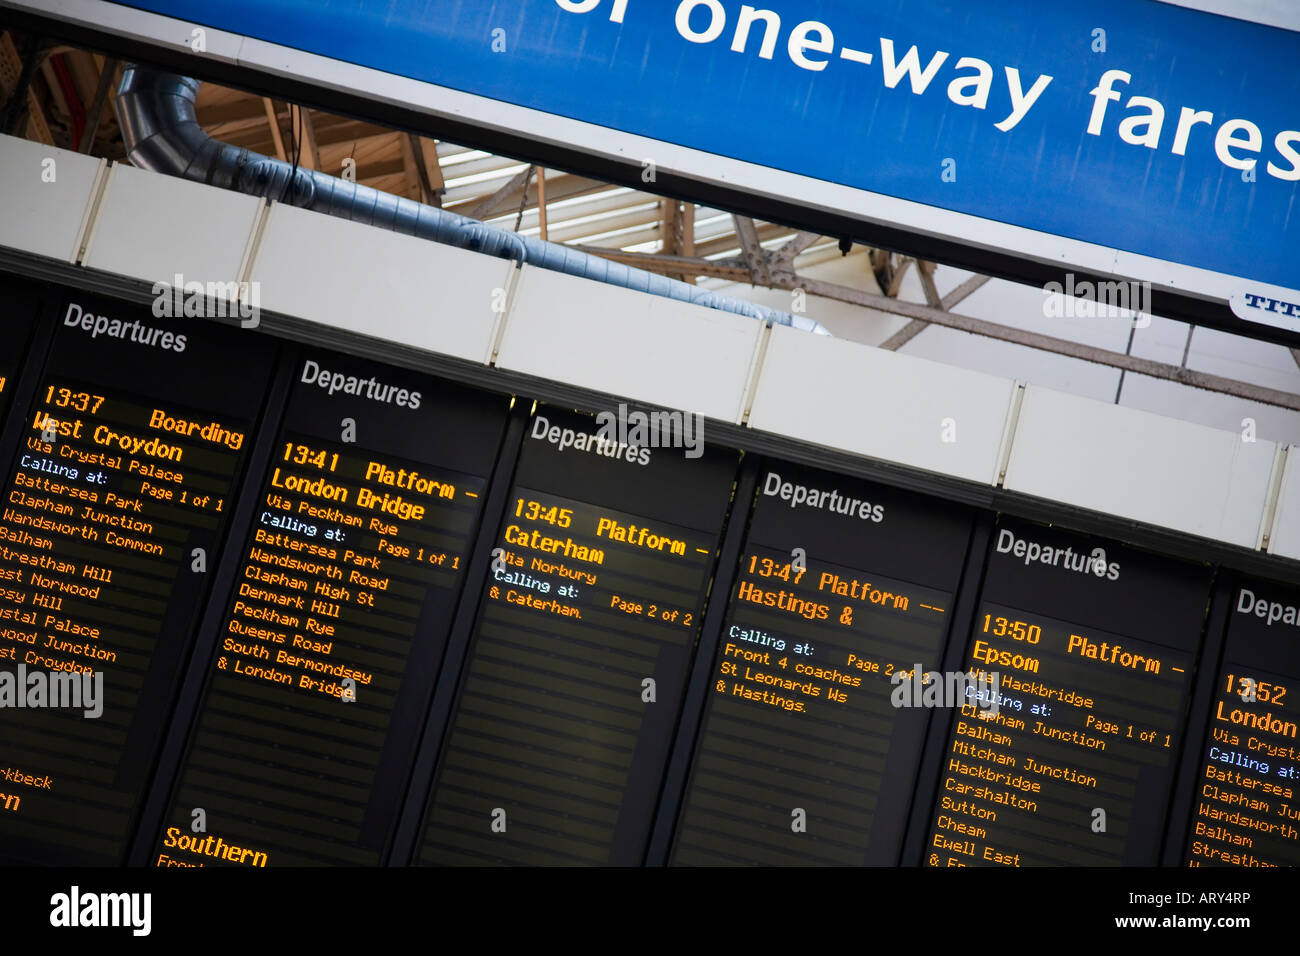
(265, 604)
(586, 631)
(1094, 645)
(337, 627)
(17, 318)
(1247, 813)
(114, 510)
(803, 758)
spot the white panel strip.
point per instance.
(1130, 463)
(155, 227)
(379, 283)
(1284, 535)
(887, 406)
(45, 197)
(646, 347)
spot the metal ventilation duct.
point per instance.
(156, 113)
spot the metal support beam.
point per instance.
(277, 136)
(14, 113)
(414, 180)
(896, 278)
(922, 315)
(963, 292)
(904, 335)
(541, 203)
(107, 73)
(785, 256)
(1048, 343)
(310, 158)
(747, 232)
(670, 227)
(430, 168)
(949, 302)
(925, 270)
(671, 233)
(496, 202)
(733, 269)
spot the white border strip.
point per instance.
(1009, 429)
(103, 182)
(81, 243)
(1288, 457)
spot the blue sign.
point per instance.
(1127, 124)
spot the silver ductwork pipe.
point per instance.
(156, 113)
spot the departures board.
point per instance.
(335, 632)
(803, 757)
(1094, 646)
(587, 629)
(1248, 774)
(264, 604)
(116, 499)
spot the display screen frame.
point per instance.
(986, 506)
